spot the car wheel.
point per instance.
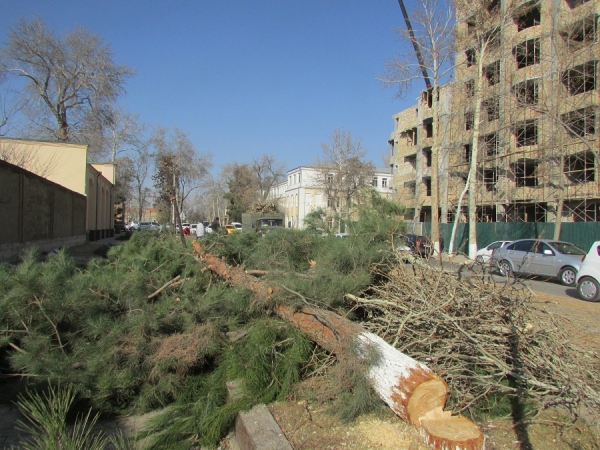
(504, 268)
(479, 260)
(588, 289)
(568, 276)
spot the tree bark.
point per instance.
(414, 392)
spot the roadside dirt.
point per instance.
(310, 425)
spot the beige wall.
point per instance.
(58, 162)
(37, 213)
(65, 164)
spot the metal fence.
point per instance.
(582, 234)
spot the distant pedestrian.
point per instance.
(215, 225)
(441, 244)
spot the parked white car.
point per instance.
(237, 225)
(588, 277)
(484, 255)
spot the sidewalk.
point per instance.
(82, 254)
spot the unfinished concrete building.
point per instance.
(537, 156)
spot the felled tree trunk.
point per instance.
(409, 388)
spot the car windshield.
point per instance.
(567, 248)
(269, 222)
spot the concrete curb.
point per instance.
(257, 429)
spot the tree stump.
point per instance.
(414, 392)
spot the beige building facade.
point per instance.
(300, 193)
(538, 146)
(65, 164)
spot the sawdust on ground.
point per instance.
(310, 425)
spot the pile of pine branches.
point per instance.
(148, 327)
(491, 341)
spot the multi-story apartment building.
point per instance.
(302, 192)
(538, 144)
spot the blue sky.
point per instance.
(247, 78)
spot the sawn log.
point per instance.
(409, 388)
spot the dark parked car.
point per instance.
(419, 245)
(542, 257)
(119, 226)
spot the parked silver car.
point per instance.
(547, 258)
(152, 226)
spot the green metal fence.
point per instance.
(582, 234)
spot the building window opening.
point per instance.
(427, 155)
(486, 213)
(492, 73)
(411, 187)
(530, 17)
(384, 182)
(428, 97)
(492, 108)
(524, 171)
(471, 26)
(467, 152)
(581, 78)
(580, 123)
(427, 182)
(428, 126)
(583, 211)
(584, 31)
(526, 133)
(470, 88)
(527, 53)
(575, 3)
(526, 212)
(491, 144)
(374, 182)
(490, 178)
(330, 178)
(580, 167)
(469, 121)
(470, 57)
(492, 5)
(526, 92)
(415, 136)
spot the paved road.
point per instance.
(552, 296)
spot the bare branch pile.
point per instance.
(264, 207)
(489, 341)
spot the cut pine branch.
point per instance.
(163, 287)
(409, 388)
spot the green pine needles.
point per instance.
(148, 327)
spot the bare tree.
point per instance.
(138, 166)
(112, 133)
(72, 77)
(432, 33)
(342, 173)
(487, 21)
(269, 172)
(11, 104)
(180, 170)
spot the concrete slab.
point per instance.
(257, 429)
